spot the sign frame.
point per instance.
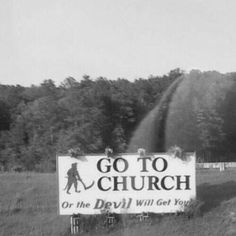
(101, 155)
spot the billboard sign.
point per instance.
(128, 183)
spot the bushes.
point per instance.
(193, 209)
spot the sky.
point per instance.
(55, 39)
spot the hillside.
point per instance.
(197, 112)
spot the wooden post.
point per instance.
(75, 224)
(143, 217)
(222, 166)
(110, 219)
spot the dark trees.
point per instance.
(39, 121)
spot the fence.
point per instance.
(216, 165)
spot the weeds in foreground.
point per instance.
(97, 224)
(28, 207)
(193, 209)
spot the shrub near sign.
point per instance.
(129, 183)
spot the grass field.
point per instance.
(28, 206)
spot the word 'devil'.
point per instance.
(102, 204)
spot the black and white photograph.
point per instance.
(117, 117)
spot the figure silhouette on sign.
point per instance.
(73, 176)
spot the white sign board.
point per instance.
(129, 183)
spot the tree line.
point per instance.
(38, 122)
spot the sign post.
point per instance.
(75, 224)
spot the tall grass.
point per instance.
(28, 206)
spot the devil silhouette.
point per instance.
(73, 178)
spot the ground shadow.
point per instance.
(213, 195)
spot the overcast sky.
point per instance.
(54, 39)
